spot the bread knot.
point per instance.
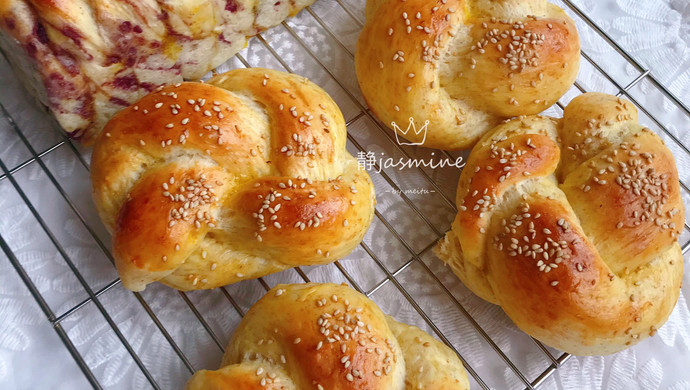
(207, 184)
(571, 226)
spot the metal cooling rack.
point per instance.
(555, 360)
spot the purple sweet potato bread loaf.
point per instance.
(87, 60)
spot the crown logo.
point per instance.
(398, 131)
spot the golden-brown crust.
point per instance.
(533, 88)
(637, 186)
(495, 169)
(453, 63)
(592, 125)
(570, 272)
(581, 253)
(429, 363)
(144, 214)
(254, 174)
(328, 336)
(318, 353)
(326, 206)
(242, 377)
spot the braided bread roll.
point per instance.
(571, 226)
(207, 184)
(329, 336)
(463, 65)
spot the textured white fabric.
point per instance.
(655, 32)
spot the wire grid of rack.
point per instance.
(391, 275)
